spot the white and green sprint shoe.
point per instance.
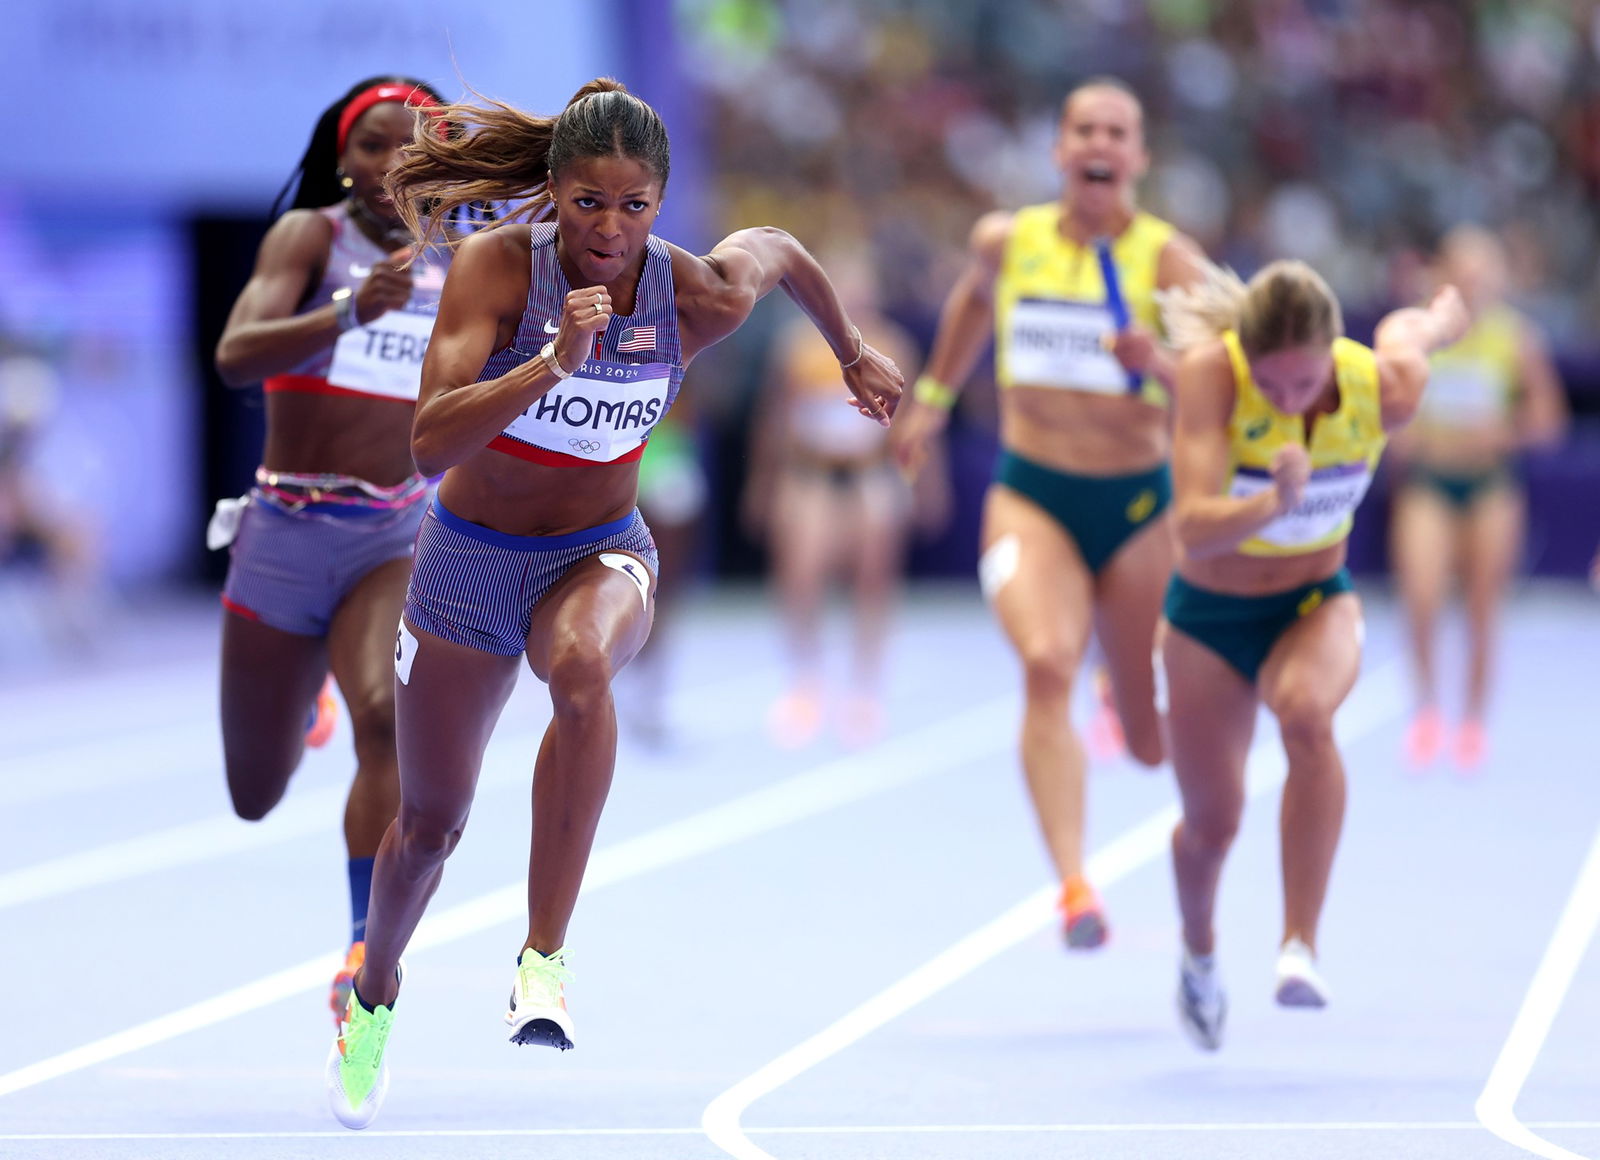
(357, 1076)
(538, 1011)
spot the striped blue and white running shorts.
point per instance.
(291, 569)
(477, 587)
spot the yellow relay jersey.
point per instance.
(1345, 448)
(1473, 383)
(1050, 304)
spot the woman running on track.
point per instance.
(559, 345)
(824, 493)
(1459, 511)
(1280, 424)
(1075, 535)
(335, 322)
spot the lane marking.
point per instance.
(300, 815)
(814, 1130)
(975, 734)
(1377, 700)
(1496, 1106)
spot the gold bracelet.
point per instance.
(930, 392)
(861, 349)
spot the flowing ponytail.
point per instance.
(502, 157)
(1194, 315)
(1286, 304)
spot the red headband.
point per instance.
(412, 95)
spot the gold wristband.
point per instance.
(861, 349)
(930, 392)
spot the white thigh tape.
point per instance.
(632, 569)
(999, 564)
(405, 651)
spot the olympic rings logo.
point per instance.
(587, 446)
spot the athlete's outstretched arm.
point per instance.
(717, 292)
(1404, 340)
(1542, 415)
(966, 328)
(484, 296)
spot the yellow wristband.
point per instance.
(931, 392)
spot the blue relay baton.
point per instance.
(1114, 300)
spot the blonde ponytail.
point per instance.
(1193, 315)
(1286, 304)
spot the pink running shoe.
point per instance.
(1472, 745)
(795, 719)
(324, 716)
(1424, 736)
(344, 980)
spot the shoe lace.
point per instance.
(365, 1035)
(541, 977)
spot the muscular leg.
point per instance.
(1492, 547)
(1211, 716)
(270, 680)
(361, 650)
(802, 545)
(878, 513)
(444, 715)
(1045, 608)
(584, 631)
(1422, 545)
(1306, 677)
(1128, 595)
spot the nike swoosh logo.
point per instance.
(551, 328)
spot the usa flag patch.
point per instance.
(637, 338)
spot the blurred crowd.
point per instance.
(1349, 133)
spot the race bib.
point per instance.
(603, 411)
(384, 357)
(1331, 496)
(1462, 396)
(1052, 343)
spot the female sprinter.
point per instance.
(1075, 537)
(335, 323)
(1280, 423)
(825, 495)
(558, 346)
(1459, 510)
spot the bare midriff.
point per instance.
(511, 495)
(1240, 575)
(1083, 433)
(368, 438)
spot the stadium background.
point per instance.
(1350, 133)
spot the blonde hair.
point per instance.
(1287, 304)
(498, 156)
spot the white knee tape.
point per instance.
(405, 651)
(632, 569)
(998, 565)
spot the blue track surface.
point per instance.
(744, 900)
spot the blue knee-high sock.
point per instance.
(360, 892)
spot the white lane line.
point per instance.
(138, 751)
(1496, 1106)
(977, 733)
(1209, 1128)
(1377, 699)
(300, 815)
